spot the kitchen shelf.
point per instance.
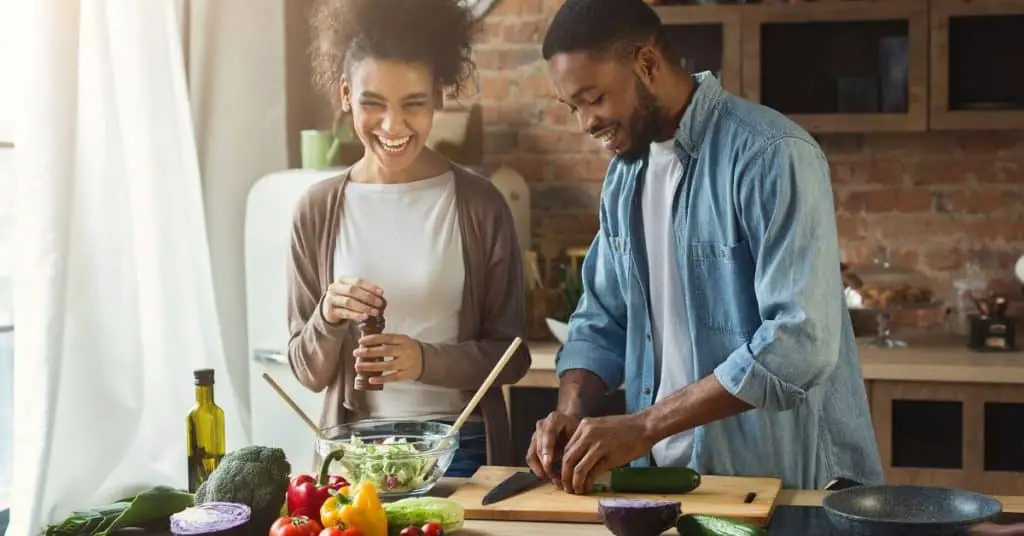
(977, 71)
(708, 38)
(796, 59)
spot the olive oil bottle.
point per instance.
(204, 428)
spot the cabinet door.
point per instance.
(977, 70)
(962, 435)
(853, 66)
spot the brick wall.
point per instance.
(938, 200)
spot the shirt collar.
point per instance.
(706, 96)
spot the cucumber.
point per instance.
(705, 525)
(654, 479)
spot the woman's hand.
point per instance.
(351, 298)
(406, 362)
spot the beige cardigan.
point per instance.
(493, 309)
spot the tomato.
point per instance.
(351, 531)
(331, 531)
(295, 526)
(432, 529)
(411, 531)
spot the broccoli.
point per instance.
(254, 475)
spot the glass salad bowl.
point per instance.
(401, 458)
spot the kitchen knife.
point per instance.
(519, 482)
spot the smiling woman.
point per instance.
(406, 227)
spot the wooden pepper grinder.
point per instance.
(373, 325)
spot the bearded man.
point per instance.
(712, 290)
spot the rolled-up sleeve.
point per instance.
(597, 328)
(786, 208)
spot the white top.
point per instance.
(671, 337)
(406, 239)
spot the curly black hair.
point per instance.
(613, 27)
(438, 33)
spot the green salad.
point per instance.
(392, 465)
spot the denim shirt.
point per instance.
(759, 258)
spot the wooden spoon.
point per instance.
(473, 402)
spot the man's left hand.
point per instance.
(406, 357)
(600, 445)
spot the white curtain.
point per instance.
(113, 297)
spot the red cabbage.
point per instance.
(211, 519)
(635, 517)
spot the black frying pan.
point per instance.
(908, 510)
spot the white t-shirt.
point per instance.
(669, 330)
(406, 239)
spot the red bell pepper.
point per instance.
(306, 493)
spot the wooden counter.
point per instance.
(927, 359)
(1011, 504)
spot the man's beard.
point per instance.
(645, 123)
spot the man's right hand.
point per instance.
(545, 453)
(351, 298)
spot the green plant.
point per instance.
(572, 291)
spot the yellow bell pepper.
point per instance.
(356, 507)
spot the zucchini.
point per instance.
(705, 525)
(654, 480)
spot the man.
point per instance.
(712, 289)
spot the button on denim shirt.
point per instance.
(759, 259)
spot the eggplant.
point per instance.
(636, 517)
(211, 519)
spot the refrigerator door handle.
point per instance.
(270, 357)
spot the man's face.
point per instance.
(610, 100)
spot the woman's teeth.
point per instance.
(394, 145)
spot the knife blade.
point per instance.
(515, 484)
(521, 481)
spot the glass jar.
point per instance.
(884, 287)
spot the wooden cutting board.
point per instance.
(717, 495)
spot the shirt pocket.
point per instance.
(618, 255)
(723, 290)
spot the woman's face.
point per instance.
(392, 105)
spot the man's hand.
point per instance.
(600, 445)
(545, 453)
(406, 354)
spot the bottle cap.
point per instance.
(204, 376)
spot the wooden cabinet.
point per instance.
(864, 65)
(962, 435)
(708, 39)
(829, 66)
(977, 70)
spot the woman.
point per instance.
(405, 224)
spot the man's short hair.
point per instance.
(602, 27)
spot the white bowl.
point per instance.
(559, 329)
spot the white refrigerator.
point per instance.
(268, 225)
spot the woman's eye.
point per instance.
(416, 104)
(372, 105)
(596, 101)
